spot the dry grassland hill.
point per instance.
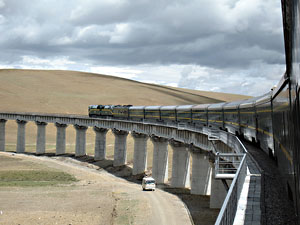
(57, 91)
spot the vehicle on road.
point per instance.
(148, 183)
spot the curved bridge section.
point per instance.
(201, 144)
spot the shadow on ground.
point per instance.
(198, 205)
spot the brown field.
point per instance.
(53, 91)
(93, 198)
(57, 91)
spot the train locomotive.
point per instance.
(272, 120)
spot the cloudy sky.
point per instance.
(233, 46)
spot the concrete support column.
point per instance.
(21, 136)
(100, 143)
(201, 172)
(180, 165)
(160, 159)
(120, 147)
(41, 137)
(2, 134)
(218, 192)
(60, 138)
(80, 140)
(140, 153)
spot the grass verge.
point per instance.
(34, 178)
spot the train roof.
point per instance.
(249, 102)
(184, 107)
(122, 106)
(155, 107)
(200, 107)
(168, 107)
(216, 106)
(284, 79)
(93, 106)
(137, 107)
(264, 98)
(232, 105)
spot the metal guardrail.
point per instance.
(213, 134)
(229, 207)
(227, 164)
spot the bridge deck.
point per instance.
(276, 208)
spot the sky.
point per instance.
(232, 46)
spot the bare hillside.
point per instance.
(57, 91)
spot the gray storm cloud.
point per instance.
(224, 36)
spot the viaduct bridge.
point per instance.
(208, 148)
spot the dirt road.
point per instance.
(97, 198)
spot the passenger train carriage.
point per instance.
(199, 115)
(271, 120)
(248, 121)
(252, 118)
(232, 117)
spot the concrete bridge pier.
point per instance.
(201, 172)
(180, 165)
(218, 192)
(140, 153)
(120, 157)
(100, 143)
(2, 134)
(41, 138)
(60, 138)
(21, 136)
(80, 140)
(160, 159)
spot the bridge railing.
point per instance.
(227, 164)
(229, 208)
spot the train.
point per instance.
(250, 118)
(259, 120)
(272, 120)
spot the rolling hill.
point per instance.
(57, 91)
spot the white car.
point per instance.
(148, 183)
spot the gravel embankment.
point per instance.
(276, 207)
